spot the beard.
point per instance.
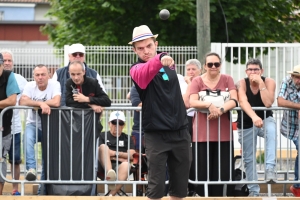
(296, 86)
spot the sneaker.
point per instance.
(15, 193)
(30, 175)
(270, 176)
(295, 191)
(139, 193)
(111, 176)
(252, 194)
(191, 193)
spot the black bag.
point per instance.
(78, 149)
(240, 189)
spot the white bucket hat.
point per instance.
(296, 71)
(141, 33)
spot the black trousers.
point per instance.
(191, 187)
(213, 165)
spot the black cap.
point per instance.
(1, 59)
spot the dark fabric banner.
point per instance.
(65, 149)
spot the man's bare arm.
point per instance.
(54, 102)
(267, 92)
(9, 101)
(287, 104)
(243, 100)
(27, 101)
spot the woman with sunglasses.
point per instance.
(216, 125)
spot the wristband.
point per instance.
(236, 102)
(209, 106)
(162, 55)
(262, 89)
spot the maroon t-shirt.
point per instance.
(198, 85)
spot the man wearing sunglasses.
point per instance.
(114, 152)
(256, 91)
(164, 119)
(76, 53)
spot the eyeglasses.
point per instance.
(216, 64)
(77, 54)
(164, 75)
(121, 123)
(252, 69)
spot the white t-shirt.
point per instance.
(16, 120)
(32, 91)
(183, 87)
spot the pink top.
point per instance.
(197, 86)
(143, 73)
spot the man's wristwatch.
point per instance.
(222, 110)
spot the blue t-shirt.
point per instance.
(12, 85)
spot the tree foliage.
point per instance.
(110, 22)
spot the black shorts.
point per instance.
(171, 148)
(101, 172)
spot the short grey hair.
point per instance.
(9, 52)
(40, 66)
(193, 62)
(78, 63)
(254, 61)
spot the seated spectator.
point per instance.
(83, 91)
(110, 152)
(43, 93)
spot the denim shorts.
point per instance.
(136, 134)
(6, 140)
(15, 150)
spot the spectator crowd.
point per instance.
(175, 142)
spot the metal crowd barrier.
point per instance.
(281, 141)
(283, 161)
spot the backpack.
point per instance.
(240, 189)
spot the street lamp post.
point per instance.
(203, 28)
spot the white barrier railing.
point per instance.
(282, 159)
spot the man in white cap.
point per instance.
(110, 152)
(15, 148)
(289, 97)
(164, 121)
(76, 53)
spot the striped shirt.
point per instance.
(289, 124)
